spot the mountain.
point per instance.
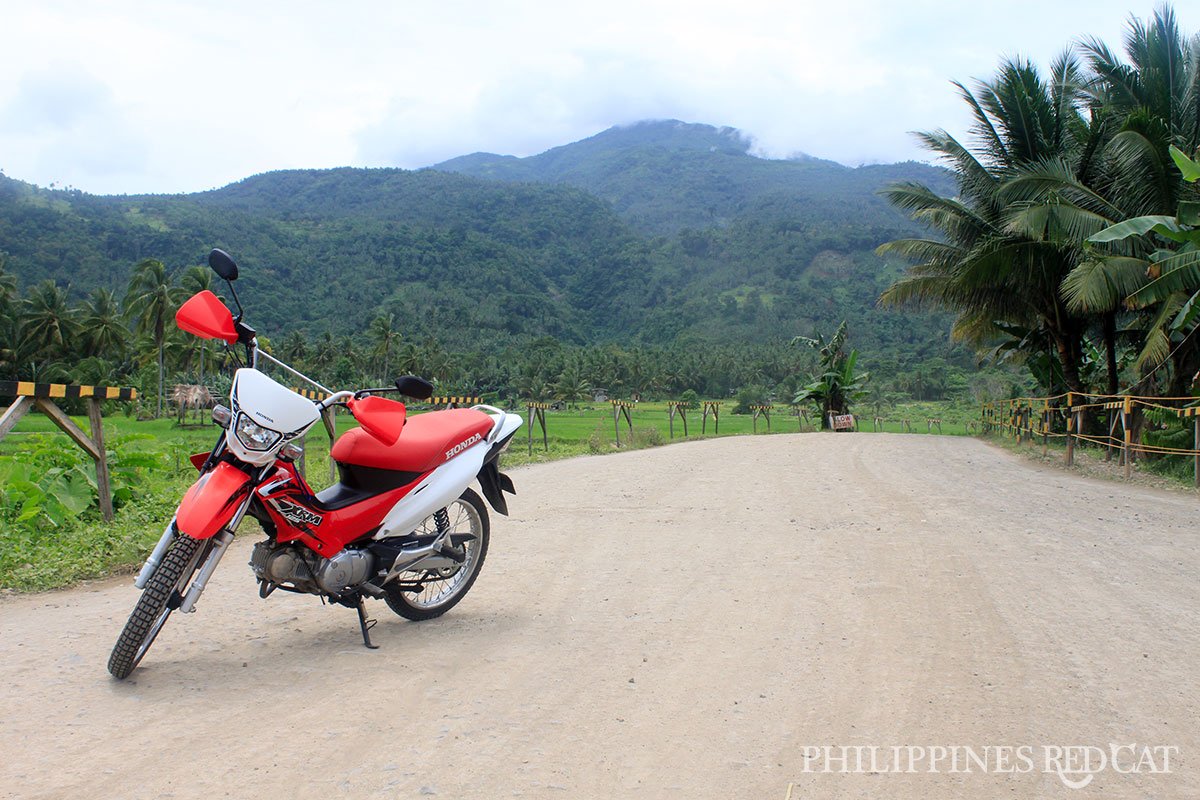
(668, 175)
(655, 233)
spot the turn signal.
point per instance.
(222, 415)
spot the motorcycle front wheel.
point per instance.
(426, 594)
(157, 601)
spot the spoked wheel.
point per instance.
(155, 604)
(425, 594)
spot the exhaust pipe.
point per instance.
(440, 553)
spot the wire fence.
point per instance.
(1124, 426)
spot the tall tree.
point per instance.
(982, 269)
(104, 331)
(384, 336)
(152, 298)
(48, 323)
(1138, 109)
(197, 279)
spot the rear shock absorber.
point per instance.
(442, 518)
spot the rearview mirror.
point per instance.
(414, 387)
(223, 264)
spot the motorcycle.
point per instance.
(401, 523)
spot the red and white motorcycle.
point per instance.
(400, 524)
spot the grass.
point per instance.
(45, 557)
(1173, 473)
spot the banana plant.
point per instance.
(835, 384)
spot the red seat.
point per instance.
(423, 444)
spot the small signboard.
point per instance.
(843, 422)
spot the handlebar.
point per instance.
(334, 399)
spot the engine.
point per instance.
(308, 572)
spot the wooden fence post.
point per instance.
(1126, 412)
(13, 414)
(679, 408)
(1045, 427)
(103, 485)
(331, 429)
(621, 408)
(537, 413)
(1070, 428)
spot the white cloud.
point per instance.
(184, 96)
(66, 123)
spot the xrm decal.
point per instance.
(297, 515)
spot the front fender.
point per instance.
(212, 501)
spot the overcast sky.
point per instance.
(124, 96)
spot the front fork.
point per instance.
(160, 549)
(219, 545)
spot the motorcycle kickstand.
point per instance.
(365, 625)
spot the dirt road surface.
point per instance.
(685, 622)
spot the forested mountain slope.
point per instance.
(654, 234)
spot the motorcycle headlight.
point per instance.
(254, 436)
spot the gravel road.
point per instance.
(693, 621)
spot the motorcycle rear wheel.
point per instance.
(443, 589)
(153, 606)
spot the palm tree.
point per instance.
(1161, 82)
(152, 297)
(197, 279)
(384, 335)
(48, 325)
(1138, 111)
(9, 322)
(571, 386)
(324, 353)
(104, 331)
(293, 348)
(982, 268)
(8, 284)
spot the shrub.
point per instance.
(647, 437)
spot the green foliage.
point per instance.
(50, 483)
(836, 383)
(747, 396)
(1060, 225)
(702, 244)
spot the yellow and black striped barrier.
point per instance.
(761, 411)
(677, 407)
(621, 409)
(711, 407)
(455, 400)
(537, 413)
(311, 394)
(65, 391)
(30, 395)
